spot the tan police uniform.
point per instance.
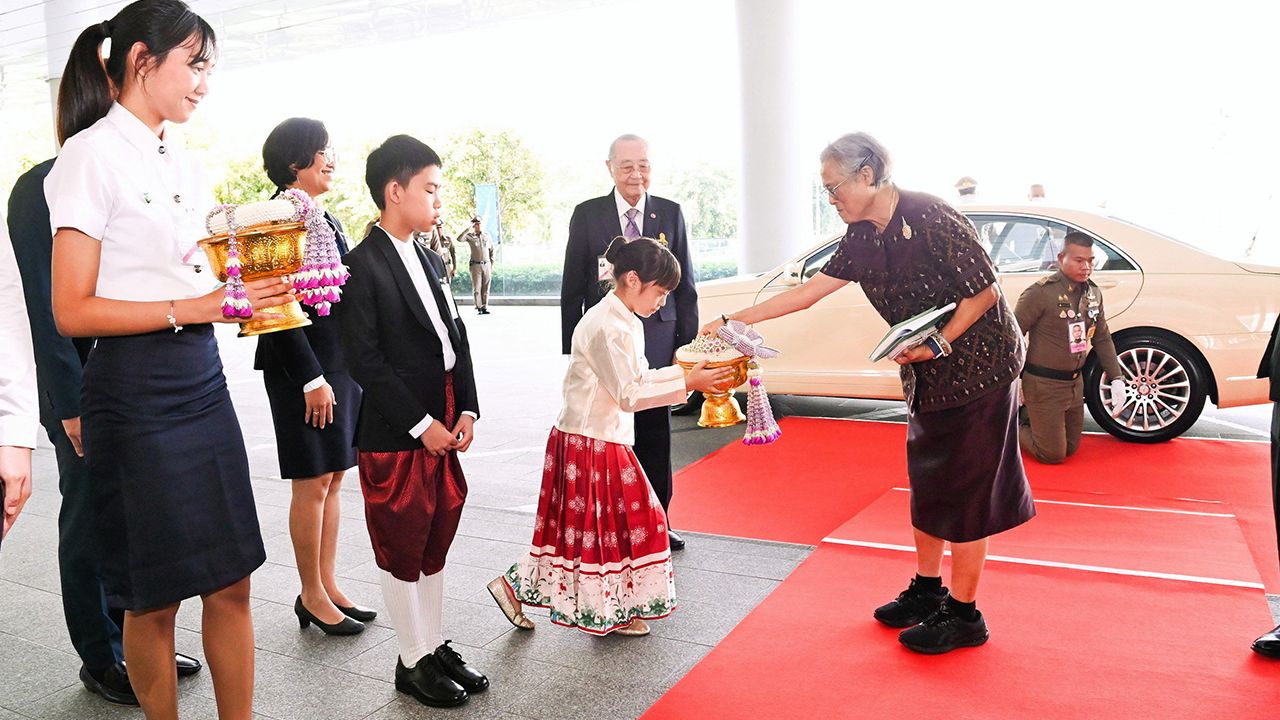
(1063, 319)
(481, 266)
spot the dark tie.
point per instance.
(631, 232)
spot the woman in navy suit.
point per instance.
(313, 400)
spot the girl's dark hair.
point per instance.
(651, 262)
(292, 146)
(85, 94)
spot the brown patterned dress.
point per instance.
(967, 479)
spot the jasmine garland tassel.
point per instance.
(319, 281)
(235, 301)
(762, 428)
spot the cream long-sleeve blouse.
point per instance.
(608, 378)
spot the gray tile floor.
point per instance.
(550, 673)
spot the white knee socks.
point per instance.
(417, 614)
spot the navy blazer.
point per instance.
(59, 360)
(392, 349)
(593, 226)
(1270, 366)
(301, 355)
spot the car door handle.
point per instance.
(1107, 284)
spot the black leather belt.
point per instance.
(479, 262)
(1050, 373)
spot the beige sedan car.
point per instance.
(1187, 325)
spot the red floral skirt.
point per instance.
(600, 555)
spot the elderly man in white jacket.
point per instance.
(19, 412)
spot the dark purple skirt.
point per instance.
(967, 479)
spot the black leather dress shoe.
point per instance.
(1268, 645)
(428, 684)
(305, 618)
(113, 686)
(677, 542)
(471, 680)
(187, 665)
(355, 612)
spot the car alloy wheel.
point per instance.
(1165, 394)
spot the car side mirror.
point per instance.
(792, 274)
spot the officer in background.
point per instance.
(481, 264)
(1063, 316)
(440, 244)
(966, 191)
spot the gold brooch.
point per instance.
(662, 239)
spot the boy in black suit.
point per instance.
(407, 348)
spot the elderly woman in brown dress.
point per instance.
(912, 252)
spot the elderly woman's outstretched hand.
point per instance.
(711, 327)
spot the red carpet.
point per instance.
(822, 472)
(1065, 644)
(1103, 532)
(795, 490)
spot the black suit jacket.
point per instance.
(299, 356)
(1270, 366)
(59, 360)
(393, 351)
(593, 226)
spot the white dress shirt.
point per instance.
(608, 378)
(19, 408)
(623, 207)
(421, 283)
(144, 198)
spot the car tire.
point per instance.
(1166, 393)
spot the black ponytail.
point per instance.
(650, 261)
(90, 85)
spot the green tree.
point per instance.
(708, 194)
(477, 157)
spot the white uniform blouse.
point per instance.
(608, 378)
(143, 198)
(19, 411)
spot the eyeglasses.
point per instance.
(628, 168)
(831, 191)
(330, 155)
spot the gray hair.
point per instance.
(625, 138)
(856, 150)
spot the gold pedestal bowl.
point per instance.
(721, 409)
(266, 251)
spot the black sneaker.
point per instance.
(943, 632)
(911, 606)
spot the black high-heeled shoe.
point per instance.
(305, 618)
(355, 612)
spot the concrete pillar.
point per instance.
(64, 20)
(775, 220)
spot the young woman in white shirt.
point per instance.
(600, 558)
(161, 438)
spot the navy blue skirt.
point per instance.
(304, 450)
(169, 469)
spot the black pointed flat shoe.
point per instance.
(305, 618)
(363, 614)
